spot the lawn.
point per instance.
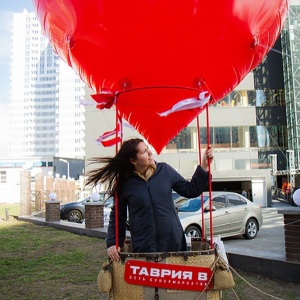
(11, 209)
(39, 262)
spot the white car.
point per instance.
(232, 214)
(106, 210)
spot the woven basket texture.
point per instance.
(124, 291)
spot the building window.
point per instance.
(253, 136)
(2, 176)
(221, 137)
(182, 140)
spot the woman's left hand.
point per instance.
(207, 158)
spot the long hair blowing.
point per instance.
(116, 169)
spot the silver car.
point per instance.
(232, 214)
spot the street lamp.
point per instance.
(66, 162)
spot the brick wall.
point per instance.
(292, 236)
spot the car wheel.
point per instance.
(193, 231)
(251, 229)
(75, 216)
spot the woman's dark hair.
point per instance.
(117, 168)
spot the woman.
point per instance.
(144, 188)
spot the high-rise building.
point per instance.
(46, 118)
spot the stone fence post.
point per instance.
(94, 215)
(25, 193)
(52, 208)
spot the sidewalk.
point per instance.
(265, 254)
(269, 242)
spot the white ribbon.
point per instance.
(117, 133)
(106, 135)
(188, 104)
(87, 102)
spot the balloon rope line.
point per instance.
(273, 139)
(272, 49)
(117, 121)
(232, 289)
(159, 87)
(259, 290)
(117, 219)
(291, 223)
(116, 194)
(199, 142)
(209, 178)
(200, 161)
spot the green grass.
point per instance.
(13, 210)
(38, 262)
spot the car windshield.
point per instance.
(109, 202)
(174, 195)
(191, 205)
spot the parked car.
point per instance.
(179, 200)
(174, 195)
(232, 214)
(75, 211)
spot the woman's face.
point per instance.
(143, 157)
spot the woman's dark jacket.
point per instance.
(153, 220)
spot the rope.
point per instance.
(252, 286)
(209, 177)
(272, 49)
(116, 194)
(273, 139)
(234, 292)
(210, 279)
(294, 222)
(202, 196)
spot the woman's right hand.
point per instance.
(113, 253)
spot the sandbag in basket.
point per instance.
(222, 278)
(104, 279)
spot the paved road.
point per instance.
(269, 242)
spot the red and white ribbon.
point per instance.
(111, 138)
(188, 104)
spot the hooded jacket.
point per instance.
(153, 220)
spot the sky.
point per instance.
(7, 8)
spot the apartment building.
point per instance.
(46, 117)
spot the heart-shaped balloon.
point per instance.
(158, 56)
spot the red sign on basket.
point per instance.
(168, 276)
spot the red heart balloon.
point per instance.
(157, 53)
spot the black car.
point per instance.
(74, 211)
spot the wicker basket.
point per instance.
(121, 290)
